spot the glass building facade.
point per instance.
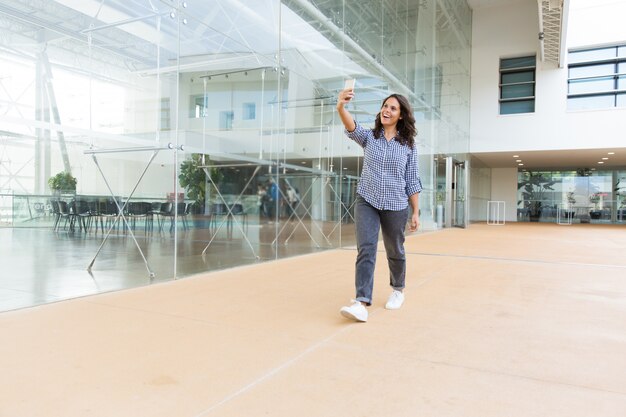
(203, 134)
(572, 196)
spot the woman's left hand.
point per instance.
(414, 222)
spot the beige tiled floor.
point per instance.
(517, 320)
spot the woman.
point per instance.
(389, 182)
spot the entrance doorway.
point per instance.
(452, 187)
(459, 188)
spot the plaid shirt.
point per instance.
(390, 172)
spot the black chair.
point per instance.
(54, 205)
(65, 213)
(237, 210)
(166, 210)
(183, 211)
(217, 210)
(140, 210)
(107, 211)
(81, 211)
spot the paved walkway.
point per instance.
(517, 320)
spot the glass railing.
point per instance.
(58, 211)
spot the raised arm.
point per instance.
(344, 98)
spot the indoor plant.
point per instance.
(193, 178)
(63, 182)
(534, 186)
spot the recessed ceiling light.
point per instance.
(303, 162)
(521, 165)
(611, 153)
(605, 158)
(345, 167)
(515, 156)
(600, 162)
(518, 160)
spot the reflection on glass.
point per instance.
(587, 196)
(244, 94)
(591, 55)
(585, 103)
(591, 86)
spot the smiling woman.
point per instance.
(389, 183)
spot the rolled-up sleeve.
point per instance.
(359, 134)
(413, 180)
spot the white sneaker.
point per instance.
(356, 311)
(395, 300)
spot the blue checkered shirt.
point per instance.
(390, 172)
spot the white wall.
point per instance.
(480, 191)
(595, 22)
(504, 188)
(511, 31)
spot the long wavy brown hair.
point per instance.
(406, 124)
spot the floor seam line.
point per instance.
(491, 258)
(273, 371)
(288, 363)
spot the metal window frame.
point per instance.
(615, 76)
(521, 69)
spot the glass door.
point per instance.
(457, 187)
(459, 193)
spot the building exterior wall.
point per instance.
(511, 31)
(504, 188)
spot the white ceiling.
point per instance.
(565, 159)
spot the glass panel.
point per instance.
(527, 106)
(592, 55)
(621, 100)
(529, 61)
(600, 197)
(517, 77)
(621, 51)
(596, 102)
(620, 195)
(459, 194)
(174, 123)
(621, 80)
(520, 90)
(592, 71)
(591, 86)
(249, 111)
(585, 195)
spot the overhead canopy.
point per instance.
(552, 29)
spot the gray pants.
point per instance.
(369, 221)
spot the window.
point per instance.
(596, 78)
(199, 107)
(517, 85)
(249, 111)
(226, 120)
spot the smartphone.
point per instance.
(349, 85)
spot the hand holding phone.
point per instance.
(349, 85)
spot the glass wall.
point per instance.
(203, 135)
(581, 196)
